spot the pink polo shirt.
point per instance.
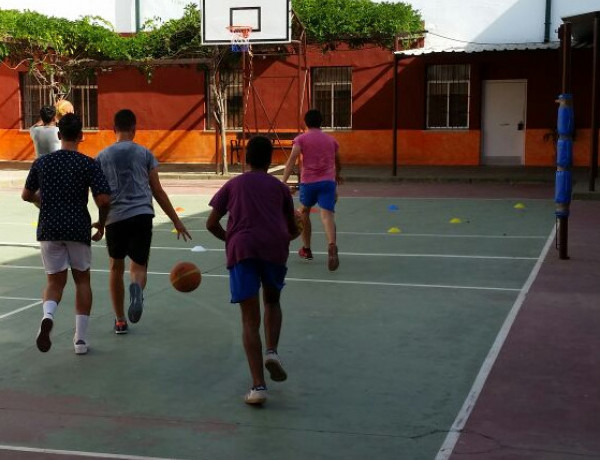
(318, 155)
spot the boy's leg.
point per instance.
(55, 284)
(244, 283)
(80, 255)
(308, 198)
(250, 309)
(327, 201)
(307, 226)
(55, 258)
(117, 240)
(138, 273)
(328, 219)
(139, 253)
(83, 292)
(83, 307)
(52, 296)
(273, 319)
(117, 288)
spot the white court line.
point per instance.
(386, 234)
(75, 453)
(321, 281)
(368, 254)
(461, 419)
(18, 298)
(400, 235)
(351, 254)
(19, 310)
(34, 244)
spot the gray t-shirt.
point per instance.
(126, 166)
(45, 139)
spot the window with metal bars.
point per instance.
(332, 95)
(234, 99)
(35, 95)
(448, 95)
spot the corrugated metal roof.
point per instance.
(480, 48)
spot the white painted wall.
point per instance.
(120, 13)
(493, 21)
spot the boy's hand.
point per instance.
(99, 231)
(182, 231)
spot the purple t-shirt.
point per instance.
(258, 205)
(318, 155)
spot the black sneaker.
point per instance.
(121, 327)
(136, 303)
(43, 338)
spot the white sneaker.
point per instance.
(275, 368)
(81, 347)
(256, 395)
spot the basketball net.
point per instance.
(240, 38)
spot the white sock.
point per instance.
(81, 325)
(49, 307)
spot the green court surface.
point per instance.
(380, 354)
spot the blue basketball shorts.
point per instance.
(246, 277)
(322, 192)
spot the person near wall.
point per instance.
(320, 173)
(257, 244)
(44, 133)
(59, 183)
(132, 173)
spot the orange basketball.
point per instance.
(185, 276)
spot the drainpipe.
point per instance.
(548, 22)
(138, 17)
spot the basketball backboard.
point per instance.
(271, 20)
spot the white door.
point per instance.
(503, 130)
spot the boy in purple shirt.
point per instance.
(259, 229)
(319, 178)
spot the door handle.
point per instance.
(520, 126)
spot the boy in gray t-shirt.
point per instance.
(132, 174)
(45, 132)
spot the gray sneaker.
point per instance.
(136, 303)
(275, 368)
(256, 396)
(81, 347)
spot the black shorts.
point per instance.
(130, 237)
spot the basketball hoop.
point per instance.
(240, 38)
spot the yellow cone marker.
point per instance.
(174, 231)
(394, 230)
(519, 206)
(34, 224)
(455, 220)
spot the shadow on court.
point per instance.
(381, 354)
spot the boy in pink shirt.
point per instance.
(320, 175)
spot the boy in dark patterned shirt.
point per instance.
(59, 183)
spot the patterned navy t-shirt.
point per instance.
(64, 179)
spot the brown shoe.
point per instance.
(333, 262)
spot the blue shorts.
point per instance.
(322, 192)
(246, 277)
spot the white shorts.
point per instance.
(57, 256)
